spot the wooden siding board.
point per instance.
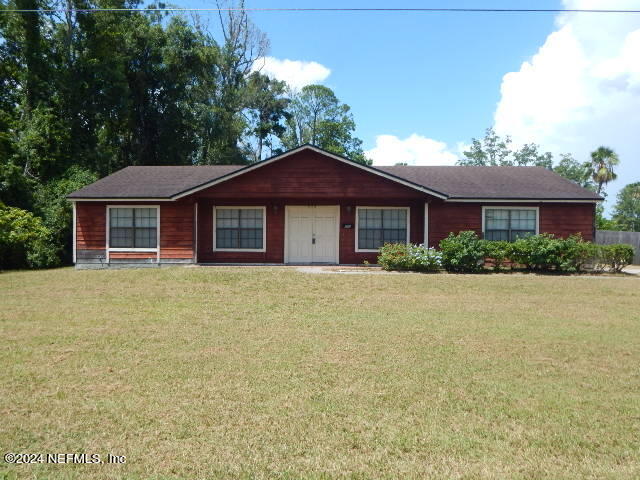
(132, 255)
(568, 219)
(176, 230)
(90, 226)
(308, 175)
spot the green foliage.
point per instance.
(267, 107)
(498, 252)
(494, 150)
(616, 256)
(603, 162)
(16, 189)
(316, 116)
(602, 222)
(56, 211)
(402, 256)
(464, 252)
(572, 254)
(24, 240)
(626, 212)
(538, 252)
(576, 254)
(580, 173)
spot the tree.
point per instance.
(266, 111)
(494, 150)
(580, 173)
(602, 222)
(242, 44)
(52, 206)
(491, 150)
(24, 240)
(626, 212)
(603, 161)
(316, 116)
(84, 92)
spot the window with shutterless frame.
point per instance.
(133, 227)
(239, 228)
(509, 224)
(379, 225)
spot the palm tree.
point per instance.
(603, 160)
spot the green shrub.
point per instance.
(499, 251)
(616, 256)
(464, 252)
(576, 254)
(24, 240)
(56, 211)
(538, 252)
(402, 256)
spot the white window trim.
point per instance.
(507, 207)
(264, 228)
(119, 249)
(358, 208)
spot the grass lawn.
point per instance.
(273, 373)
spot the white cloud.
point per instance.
(413, 150)
(581, 89)
(296, 73)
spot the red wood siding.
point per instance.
(91, 227)
(132, 255)
(348, 252)
(275, 231)
(445, 218)
(176, 230)
(560, 219)
(563, 219)
(274, 236)
(311, 177)
(308, 178)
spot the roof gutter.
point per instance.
(527, 200)
(119, 199)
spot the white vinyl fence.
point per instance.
(607, 237)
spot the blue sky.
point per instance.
(437, 75)
(421, 85)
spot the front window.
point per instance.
(239, 228)
(509, 224)
(377, 226)
(133, 227)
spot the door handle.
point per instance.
(313, 241)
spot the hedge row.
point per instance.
(465, 252)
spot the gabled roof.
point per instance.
(496, 183)
(152, 182)
(450, 183)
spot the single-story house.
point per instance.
(310, 206)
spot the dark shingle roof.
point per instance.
(152, 182)
(456, 182)
(494, 182)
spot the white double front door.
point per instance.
(312, 234)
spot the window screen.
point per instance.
(133, 228)
(509, 225)
(379, 226)
(239, 228)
